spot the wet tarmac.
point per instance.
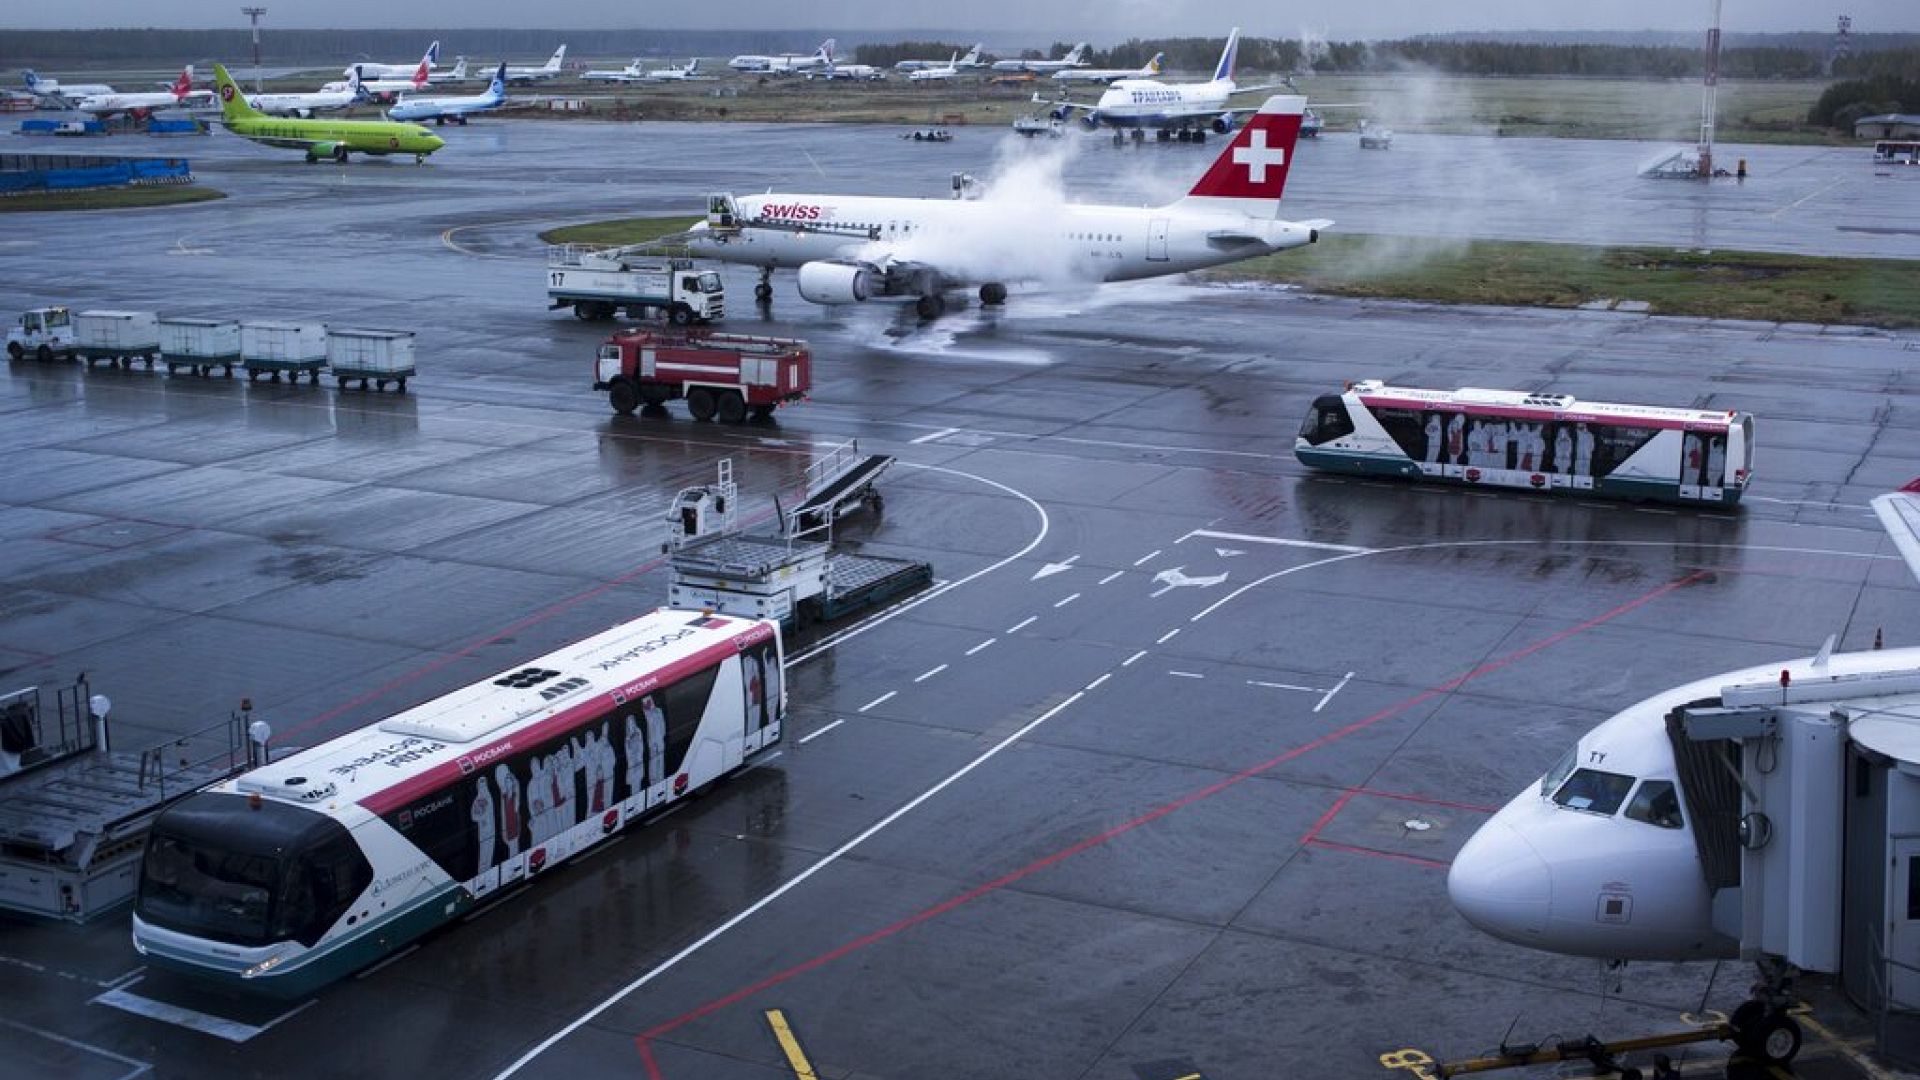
(1160, 779)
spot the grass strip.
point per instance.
(619, 232)
(110, 198)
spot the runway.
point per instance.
(1160, 778)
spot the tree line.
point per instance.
(1870, 85)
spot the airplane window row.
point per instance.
(1655, 802)
(1094, 236)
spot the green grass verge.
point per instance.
(111, 198)
(1723, 284)
(619, 231)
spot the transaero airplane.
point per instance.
(319, 138)
(851, 248)
(1607, 855)
(1188, 108)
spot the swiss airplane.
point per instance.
(1599, 858)
(181, 95)
(851, 248)
(1189, 109)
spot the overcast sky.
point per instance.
(1007, 22)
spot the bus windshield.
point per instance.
(207, 890)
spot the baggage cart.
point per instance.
(118, 337)
(270, 348)
(199, 345)
(374, 357)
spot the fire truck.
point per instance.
(730, 376)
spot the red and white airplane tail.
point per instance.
(1251, 172)
(183, 85)
(420, 73)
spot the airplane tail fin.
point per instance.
(1251, 172)
(1076, 54)
(559, 57)
(353, 83)
(233, 103)
(33, 82)
(433, 54)
(1153, 65)
(973, 54)
(1224, 70)
(693, 65)
(498, 87)
(826, 50)
(183, 85)
(460, 68)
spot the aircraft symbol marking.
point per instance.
(1257, 155)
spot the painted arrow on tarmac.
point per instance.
(1173, 579)
(1053, 568)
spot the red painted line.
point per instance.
(1326, 819)
(1431, 864)
(645, 1038)
(1424, 800)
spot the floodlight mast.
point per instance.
(253, 14)
(1710, 93)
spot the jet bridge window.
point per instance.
(1594, 791)
(1656, 802)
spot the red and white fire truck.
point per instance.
(726, 375)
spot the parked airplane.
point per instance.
(382, 89)
(1106, 75)
(786, 63)
(182, 95)
(677, 74)
(971, 60)
(633, 72)
(457, 75)
(371, 71)
(305, 105)
(853, 72)
(320, 138)
(55, 94)
(850, 248)
(548, 70)
(1186, 109)
(1073, 59)
(937, 74)
(457, 109)
(1603, 856)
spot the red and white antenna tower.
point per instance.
(1707, 101)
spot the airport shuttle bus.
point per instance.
(1535, 442)
(304, 870)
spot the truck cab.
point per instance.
(42, 332)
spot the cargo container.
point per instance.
(269, 348)
(374, 357)
(200, 345)
(118, 337)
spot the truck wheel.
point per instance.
(733, 408)
(16, 350)
(680, 315)
(655, 394)
(624, 397)
(583, 310)
(44, 354)
(763, 414)
(700, 403)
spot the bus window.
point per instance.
(1656, 803)
(1617, 443)
(1594, 791)
(1405, 426)
(1328, 420)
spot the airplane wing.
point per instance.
(1063, 103)
(1900, 513)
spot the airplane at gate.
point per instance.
(1606, 856)
(1192, 109)
(850, 248)
(319, 138)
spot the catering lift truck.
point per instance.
(793, 575)
(74, 812)
(596, 282)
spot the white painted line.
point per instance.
(1111, 576)
(982, 645)
(1282, 686)
(1053, 568)
(1149, 555)
(933, 435)
(1186, 674)
(119, 979)
(1337, 687)
(1168, 636)
(829, 859)
(1128, 662)
(881, 700)
(137, 1067)
(1099, 680)
(805, 739)
(411, 949)
(924, 676)
(1277, 541)
(219, 1027)
(1068, 600)
(28, 964)
(1023, 624)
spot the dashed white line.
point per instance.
(1111, 576)
(1328, 696)
(1068, 600)
(925, 675)
(1277, 541)
(1099, 680)
(881, 700)
(1149, 555)
(1281, 686)
(1022, 624)
(804, 739)
(1186, 674)
(932, 436)
(1168, 636)
(982, 645)
(1128, 662)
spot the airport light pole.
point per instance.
(253, 14)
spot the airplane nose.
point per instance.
(1500, 884)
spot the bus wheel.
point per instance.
(700, 403)
(624, 397)
(733, 409)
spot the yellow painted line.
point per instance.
(1861, 1060)
(796, 1057)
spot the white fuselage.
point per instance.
(109, 104)
(303, 104)
(1040, 67)
(431, 108)
(377, 87)
(631, 73)
(986, 240)
(1105, 75)
(935, 74)
(1151, 103)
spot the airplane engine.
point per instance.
(1092, 120)
(1222, 125)
(835, 282)
(1060, 112)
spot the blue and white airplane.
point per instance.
(54, 93)
(1189, 110)
(457, 109)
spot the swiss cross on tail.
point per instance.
(1253, 167)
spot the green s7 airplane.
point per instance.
(320, 138)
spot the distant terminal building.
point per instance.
(1888, 126)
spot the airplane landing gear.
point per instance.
(1119, 139)
(931, 306)
(763, 292)
(1139, 135)
(993, 293)
(1761, 1025)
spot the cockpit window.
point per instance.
(1561, 768)
(1656, 803)
(1594, 791)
